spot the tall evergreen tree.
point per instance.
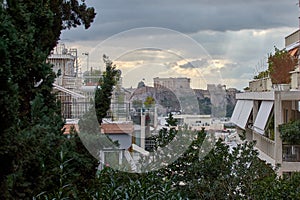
(31, 136)
(105, 89)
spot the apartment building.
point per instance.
(261, 110)
(67, 85)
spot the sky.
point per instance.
(211, 42)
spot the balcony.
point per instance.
(265, 144)
(249, 133)
(290, 153)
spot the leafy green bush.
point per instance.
(290, 132)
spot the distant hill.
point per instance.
(214, 101)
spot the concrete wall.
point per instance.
(292, 38)
(295, 80)
(260, 85)
(124, 140)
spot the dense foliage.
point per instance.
(165, 136)
(287, 187)
(290, 132)
(105, 89)
(221, 174)
(280, 65)
(149, 102)
(32, 142)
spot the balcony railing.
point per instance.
(264, 144)
(249, 134)
(291, 153)
(260, 85)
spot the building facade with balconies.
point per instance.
(259, 114)
(264, 108)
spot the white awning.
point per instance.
(245, 113)
(236, 112)
(263, 116)
(242, 112)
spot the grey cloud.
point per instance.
(234, 70)
(186, 16)
(214, 24)
(196, 64)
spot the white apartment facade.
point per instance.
(260, 111)
(259, 115)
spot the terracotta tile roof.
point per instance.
(106, 128)
(115, 128)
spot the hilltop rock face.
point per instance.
(165, 99)
(216, 100)
(230, 100)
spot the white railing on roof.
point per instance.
(72, 93)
